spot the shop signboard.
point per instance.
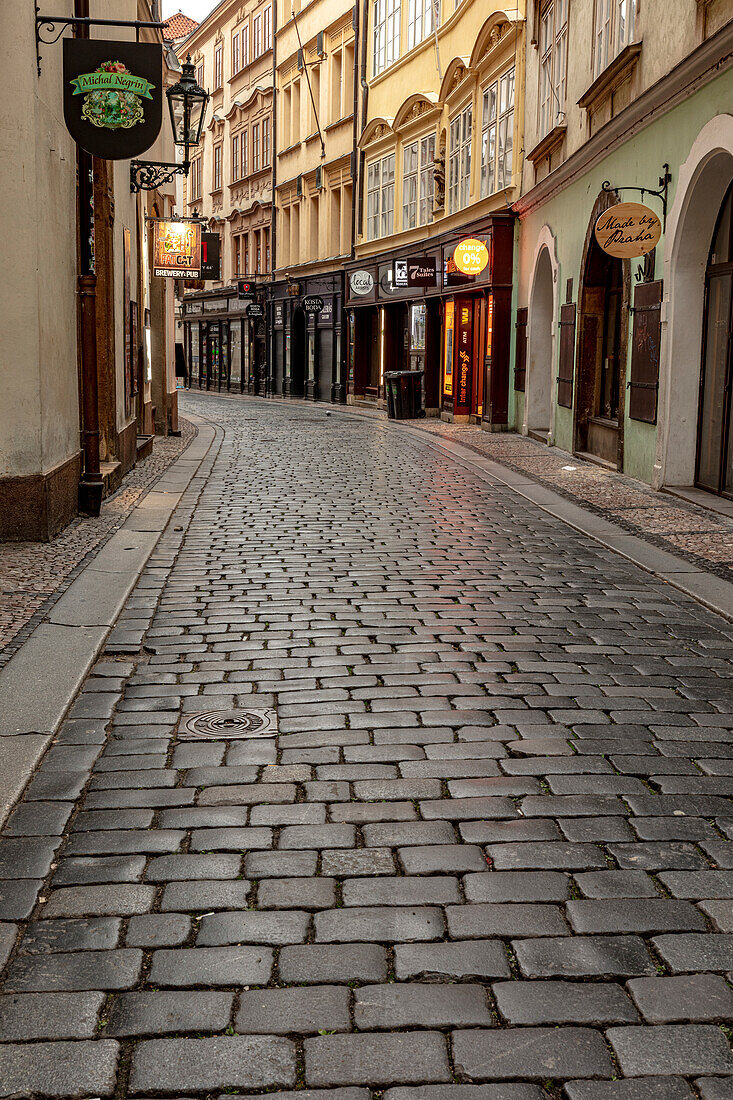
(627, 230)
(255, 310)
(422, 272)
(464, 335)
(448, 350)
(312, 303)
(245, 289)
(399, 274)
(471, 256)
(177, 250)
(279, 311)
(361, 283)
(211, 256)
(113, 95)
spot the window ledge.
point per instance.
(621, 66)
(548, 144)
(290, 148)
(337, 123)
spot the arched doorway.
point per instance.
(297, 354)
(540, 357)
(714, 465)
(601, 374)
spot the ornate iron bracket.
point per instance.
(148, 175)
(660, 194)
(49, 28)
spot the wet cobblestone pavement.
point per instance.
(34, 574)
(486, 857)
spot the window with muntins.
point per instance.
(419, 21)
(235, 157)
(497, 134)
(266, 153)
(386, 18)
(615, 26)
(553, 63)
(256, 36)
(217, 167)
(245, 45)
(236, 62)
(267, 29)
(459, 165)
(380, 197)
(218, 66)
(256, 147)
(243, 146)
(417, 182)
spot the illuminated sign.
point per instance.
(471, 256)
(628, 229)
(448, 361)
(177, 250)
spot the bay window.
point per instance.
(386, 18)
(417, 182)
(419, 21)
(380, 197)
(459, 165)
(497, 135)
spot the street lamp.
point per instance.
(187, 105)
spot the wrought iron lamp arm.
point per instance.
(148, 175)
(660, 194)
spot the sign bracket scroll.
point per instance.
(664, 181)
(49, 28)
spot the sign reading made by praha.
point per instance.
(471, 256)
(177, 250)
(628, 229)
(113, 96)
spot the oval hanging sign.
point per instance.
(628, 229)
(471, 256)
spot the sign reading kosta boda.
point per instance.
(112, 96)
(628, 229)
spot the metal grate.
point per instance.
(229, 725)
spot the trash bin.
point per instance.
(404, 394)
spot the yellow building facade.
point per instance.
(440, 161)
(315, 67)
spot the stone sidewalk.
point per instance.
(486, 857)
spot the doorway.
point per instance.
(297, 354)
(714, 466)
(602, 357)
(540, 357)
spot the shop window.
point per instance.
(497, 135)
(236, 56)
(256, 147)
(217, 168)
(459, 168)
(235, 158)
(219, 66)
(419, 21)
(266, 144)
(386, 18)
(417, 182)
(380, 197)
(553, 63)
(256, 36)
(267, 28)
(615, 24)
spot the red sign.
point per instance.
(464, 342)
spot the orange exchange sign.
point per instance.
(628, 229)
(471, 256)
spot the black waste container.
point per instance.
(404, 394)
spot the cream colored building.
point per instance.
(440, 160)
(41, 442)
(315, 72)
(623, 361)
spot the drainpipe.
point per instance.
(355, 134)
(91, 485)
(273, 213)
(364, 105)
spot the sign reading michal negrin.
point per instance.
(113, 95)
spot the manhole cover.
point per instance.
(228, 725)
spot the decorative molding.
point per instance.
(621, 67)
(549, 143)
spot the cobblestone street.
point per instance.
(487, 856)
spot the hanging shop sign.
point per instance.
(449, 326)
(471, 256)
(422, 272)
(399, 274)
(245, 289)
(211, 256)
(628, 229)
(113, 96)
(312, 304)
(255, 310)
(177, 250)
(361, 283)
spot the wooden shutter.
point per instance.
(520, 350)
(567, 356)
(643, 383)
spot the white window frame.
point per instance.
(459, 160)
(418, 183)
(497, 133)
(614, 28)
(236, 55)
(386, 19)
(235, 158)
(267, 29)
(256, 37)
(380, 196)
(419, 21)
(245, 44)
(553, 64)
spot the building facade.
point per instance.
(52, 406)
(315, 74)
(230, 184)
(628, 362)
(440, 160)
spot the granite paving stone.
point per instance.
(533, 1053)
(304, 1010)
(695, 997)
(59, 1069)
(25, 1016)
(163, 1013)
(458, 959)
(412, 1004)
(203, 1065)
(685, 1049)
(211, 966)
(400, 1058)
(541, 1003)
(79, 970)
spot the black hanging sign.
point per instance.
(113, 95)
(211, 256)
(244, 289)
(422, 272)
(255, 310)
(312, 304)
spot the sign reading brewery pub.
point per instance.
(177, 250)
(628, 229)
(113, 96)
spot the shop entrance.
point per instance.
(540, 375)
(602, 357)
(714, 467)
(297, 354)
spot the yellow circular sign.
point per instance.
(471, 256)
(628, 229)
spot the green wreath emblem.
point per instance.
(112, 96)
